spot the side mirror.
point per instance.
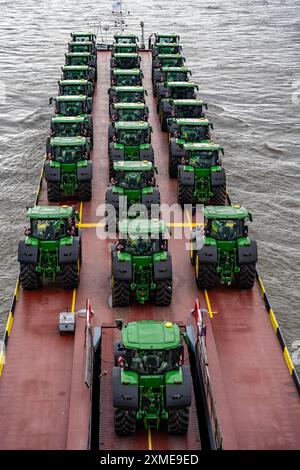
(197, 87)
(206, 106)
(155, 170)
(222, 150)
(190, 72)
(50, 100)
(119, 324)
(211, 125)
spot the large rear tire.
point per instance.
(173, 164)
(178, 421)
(53, 192)
(219, 196)
(28, 277)
(185, 194)
(163, 293)
(85, 191)
(246, 276)
(125, 422)
(206, 275)
(120, 293)
(70, 276)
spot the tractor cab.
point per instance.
(78, 72)
(172, 74)
(82, 46)
(190, 130)
(168, 60)
(125, 48)
(50, 223)
(177, 90)
(126, 77)
(80, 58)
(75, 87)
(226, 224)
(72, 105)
(142, 237)
(69, 126)
(200, 155)
(68, 149)
(129, 112)
(127, 94)
(186, 108)
(83, 37)
(126, 38)
(125, 60)
(131, 133)
(166, 48)
(134, 175)
(166, 38)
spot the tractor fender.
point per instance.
(112, 95)
(161, 90)
(163, 269)
(27, 253)
(187, 178)
(85, 173)
(51, 174)
(111, 132)
(180, 395)
(247, 254)
(157, 74)
(112, 63)
(112, 198)
(166, 108)
(146, 113)
(208, 254)
(124, 396)
(119, 350)
(147, 154)
(111, 111)
(115, 154)
(70, 253)
(48, 146)
(121, 270)
(175, 150)
(172, 127)
(152, 198)
(218, 178)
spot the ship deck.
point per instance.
(44, 403)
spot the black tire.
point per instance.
(192, 254)
(173, 165)
(85, 190)
(164, 124)
(207, 276)
(185, 194)
(219, 197)
(53, 192)
(111, 167)
(246, 276)
(178, 421)
(124, 422)
(120, 293)
(163, 293)
(28, 277)
(70, 276)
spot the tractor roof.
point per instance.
(50, 212)
(66, 119)
(128, 88)
(170, 56)
(142, 226)
(125, 36)
(166, 35)
(126, 54)
(68, 141)
(226, 212)
(191, 121)
(201, 146)
(75, 67)
(132, 125)
(129, 105)
(82, 33)
(82, 43)
(175, 69)
(150, 334)
(73, 82)
(166, 44)
(133, 166)
(71, 98)
(172, 84)
(77, 54)
(186, 102)
(126, 71)
(124, 44)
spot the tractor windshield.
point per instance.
(130, 114)
(127, 62)
(127, 80)
(70, 154)
(133, 136)
(143, 244)
(167, 39)
(188, 112)
(169, 49)
(194, 133)
(176, 76)
(73, 89)
(70, 108)
(152, 362)
(171, 62)
(64, 129)
(181, 93)
(131, 96)
(81, 47)
(78, 60)
(75, 74)
(202, 159)
(133, 179)
(48, 229)
(226, 229)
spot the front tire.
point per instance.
(178, 421)
(124, 422)
(28, 276)
(246, 276)
(70, 276)
(163, 293)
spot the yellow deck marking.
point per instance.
(288, 360)
(273, 320)
(91, 225)
(261, 286)
(73, 300)
(17, 290)
(9, 323)
(208, 304)
(188, 216)
(149, 439)
(80, 211)
(173, 224)
(2, 360)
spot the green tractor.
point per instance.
(167, 60)
(83, 36)
(184, 108)
(52, 247)
(157, 38)
(75, 87)
(129, 112)
(141, 263)
(129, 140)
(224, 253)
(166, 48)
(170, 74)
(81, 58)
(126, 77)
(181, 131)
(133, 191)
(72, 126)
(173, 90)
(72, 105)
(127, 94)
(150, 382)
(124, 48)
(121, 38)
(83, 46)
(125, 60)
(68, 170)
(201, 178)
(79, 72)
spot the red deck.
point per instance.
(44, 403)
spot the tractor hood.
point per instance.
(151, 335)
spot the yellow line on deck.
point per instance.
(188, 216)
(2, 361)
(91, 225)
(208, 304)
(288, 360)
(149, 439)
(80, 211)
(9, 323)
(17, 289)
(73, 300)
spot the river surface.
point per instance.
(245, 57)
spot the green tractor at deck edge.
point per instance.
(170, 74)
(72, 105)
(52, 247)
(224, 253)
(141, 263)
(72, 126)
(150, 382)
(172, 90)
